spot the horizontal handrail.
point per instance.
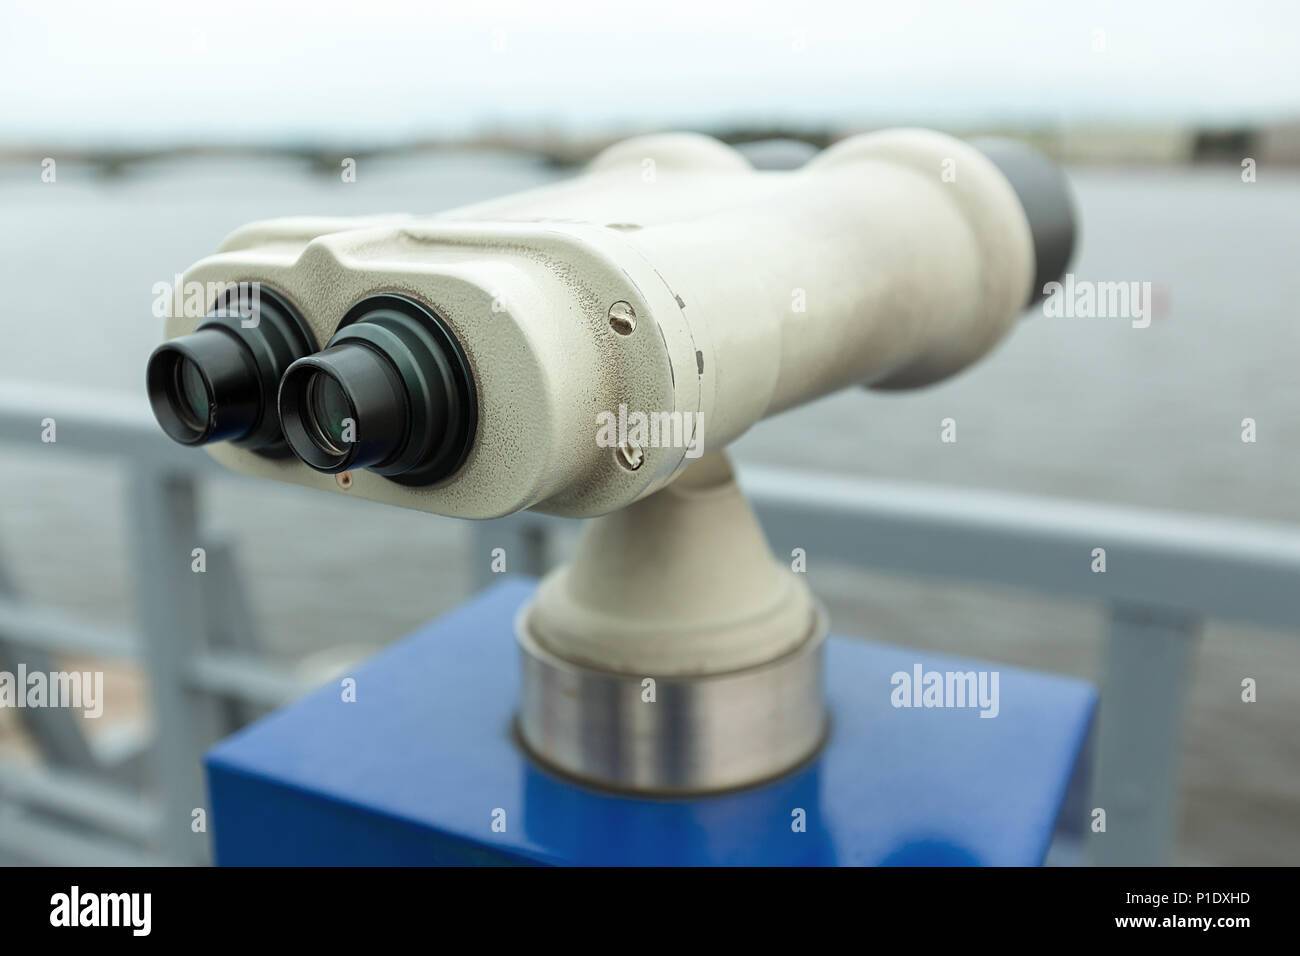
(31, 837)
(1221, 568)
(247, 677)
(82, 796)
(233, 675)
(59, 633)
(98, 422)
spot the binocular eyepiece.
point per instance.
(219, 382)
(392, 390)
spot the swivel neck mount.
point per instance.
(674, 654)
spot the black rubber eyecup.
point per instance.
(343, 408)
(391, 392)
(219, 382)
(1044, 195)
(203, 387)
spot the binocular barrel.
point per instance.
(531, 351)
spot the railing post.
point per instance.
(163, 510)
(1144, 687)
(230, 624)
(56, 731)
(522, 540)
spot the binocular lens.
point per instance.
(328, 410)
(218, 383)
(191, 394)
(391, 392)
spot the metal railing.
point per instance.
(1165, 574)
(195, 639)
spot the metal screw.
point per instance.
(622, 317)
(629, 456)
(344, 478)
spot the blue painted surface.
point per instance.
(411, 772)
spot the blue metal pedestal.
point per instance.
(422, 768)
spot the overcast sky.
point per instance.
(257, 69)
